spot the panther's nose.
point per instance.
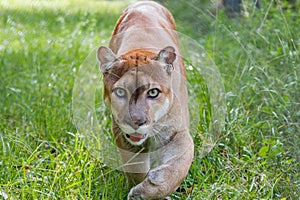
(137, 121)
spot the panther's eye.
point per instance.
(120, 92)
(153, 93)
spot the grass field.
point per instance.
(42, 45)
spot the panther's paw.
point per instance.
(134, 195)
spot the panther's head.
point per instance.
(137, 87)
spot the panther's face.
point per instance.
(139, 100)
(141, 97)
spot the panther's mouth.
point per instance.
(136, 137)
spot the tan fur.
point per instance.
(152, 132)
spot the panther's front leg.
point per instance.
(164, 179)
(155, 186)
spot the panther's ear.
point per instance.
(106, 57)
(167, 56)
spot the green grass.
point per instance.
(42, 46)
